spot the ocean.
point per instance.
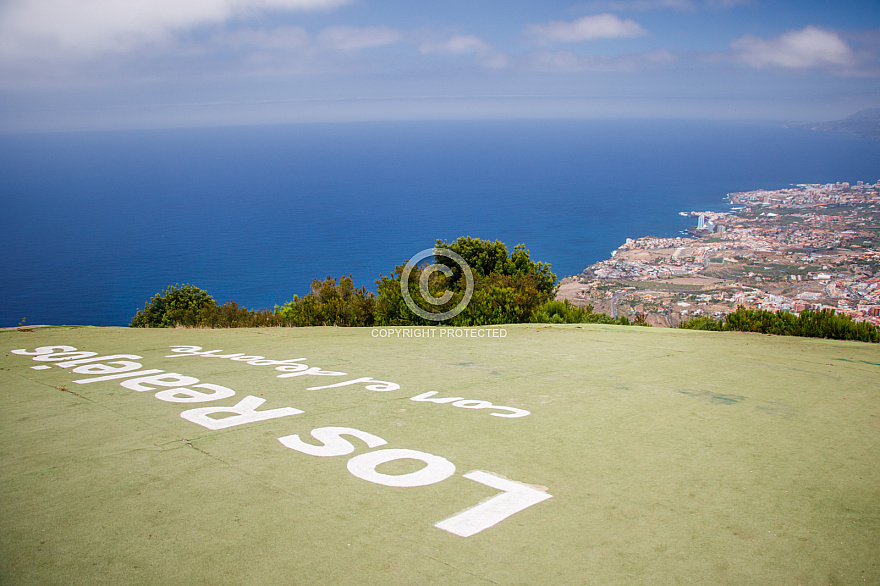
(95, 224)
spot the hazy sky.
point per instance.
(97, 64)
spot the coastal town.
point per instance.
(806, 246)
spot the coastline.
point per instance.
(805, 246)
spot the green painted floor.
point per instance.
(671, 457)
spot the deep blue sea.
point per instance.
(94, 224)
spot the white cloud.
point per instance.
(483, 51)
(728, 3)
(630, 5)
(561, 61)
(807, 48)
(456, 44)
(553, 61)
(49, 28)
(346, 38)
(639, 5)
(294, 39)
(587, 28)
(277, 39)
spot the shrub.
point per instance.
(391, 309)
(329, 304)
(490, 258)
(495, 301)
(825, 323)
(507, 287)
(640, 319)
(563, 312)
(702, 323)
(185, 305)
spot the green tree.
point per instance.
(507, 287)
(184, 305)
(329, 304)
(392, 310)
(488, 258)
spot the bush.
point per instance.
(640, 319)
(329, 304)
(563, 312)
(825, 323)
(496, 301)
(230, 315)
(703, 323)
(507, 287)
(490, 258)
(185, 305)
(391, 309)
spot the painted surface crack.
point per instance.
(461, 570)
(256, 477)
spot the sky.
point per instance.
(110, 64)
